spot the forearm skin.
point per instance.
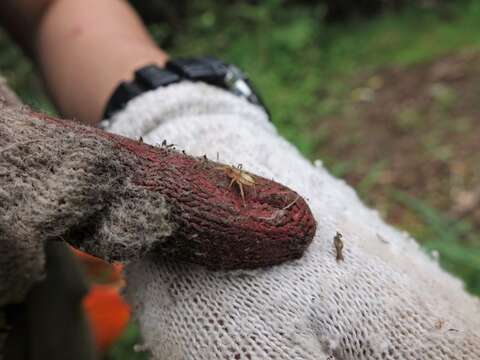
(83, 49)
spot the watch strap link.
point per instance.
(206, 69)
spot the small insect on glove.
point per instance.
(363, 290)
(118, 199)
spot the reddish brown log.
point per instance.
(212, 225)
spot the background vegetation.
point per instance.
(386, 93)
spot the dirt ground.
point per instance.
(417, 130)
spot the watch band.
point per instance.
(206, 69)
(146, 78)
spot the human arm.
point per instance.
(82, 48)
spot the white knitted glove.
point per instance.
(386, 300)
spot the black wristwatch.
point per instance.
(206, 69)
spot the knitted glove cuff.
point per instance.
(186, 99)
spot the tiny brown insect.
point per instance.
(337, 241)
(239, 177)
(439, 324)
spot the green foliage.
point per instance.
(181, 11)
(124, 349)
(19, 72)
(303, 67)
(456, 242)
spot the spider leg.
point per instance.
(231, 183)
(242, 193)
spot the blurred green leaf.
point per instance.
(124, 348)
(455, 240)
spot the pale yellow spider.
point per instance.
(239, 177)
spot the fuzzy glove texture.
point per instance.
(56, 184)
(386, 300)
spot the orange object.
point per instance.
(108, 314)
(106, 310)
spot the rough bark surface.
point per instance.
(211, 224)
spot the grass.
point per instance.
(284, 50)
(308, 72)
(455, 241)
